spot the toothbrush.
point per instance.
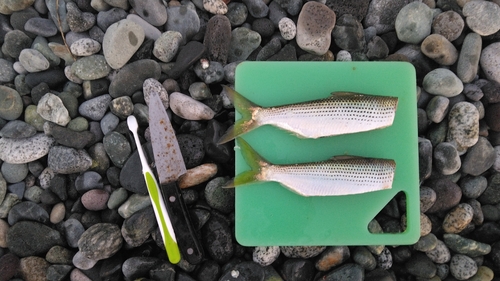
(164, 222)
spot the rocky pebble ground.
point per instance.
(73, 203)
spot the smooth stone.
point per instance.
(446, 158)
(137, 228)
(58, 13)
(218, 38)
(287, 53)
(122, 107)
(199, 91)
(95, 108)
(265, 255)
(188, 55)
(439, 49)
(95, 88)
(58, 271)
(7, 72)
(377, 49)
(27, 211)
(28, 238)
(57, 213)
(167, 45)
(136, 267)
(295, 269)
(42, 45)
(303, 252)
(481, 17)
(491, 194)
(483, 274)
(62, 52)
(491, 92)
(150, 31)
(491, 117)
(14, 42)
(65, 160)
(77, 20)
(269, 50)
(463, 125)
(9, 266)
(349, 271)
(427, 198)
(17, 189)
(263, 26)
(82, 262)
(221, 153)
(46, 177)
(91, 68)
(197, 175)
(331, 257)
(479, 158)
(424, 158)
(348, 34)
(489, 60)
(70, 138)
(95, 199)
(9, 7)
(473, 187)
(364, 258)
(121, 40)
(85, 47)
(243, 42)
(237, 13)
(426, 243)
(465, 246)
(107, 17)
(462, 267)
(33, 268)
(19, 151)
(117, 147)
(59, 255)
(218, 239)
(184, 20)
(188, 108)
(382, 14)
(218, 197)
(212, 74)
(448, 24)
(314, 26)
(153, 12)
(166, 271)
(421, 266)
(131, 177)
(151, 85)
(458, 218)
(437, 108)
(131, 77)
(33, 61)
(208, 270)
(413, 22)
(52, 109)
(133, 204)
(8, 202)
(73, 230)
(17, 129)
(443, 82)
(448, 195)
(100, 241)
(468, 60)
(53, 78)
(287, 28)
(11, 103)
(216, 7)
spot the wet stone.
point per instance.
(377, 49)
(413, 22)
(192, 150)
(58, 271)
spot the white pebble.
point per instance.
(188, 108)
(85, 47)
(287, 28)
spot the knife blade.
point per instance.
(170, 166)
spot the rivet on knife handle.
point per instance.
(162, 217)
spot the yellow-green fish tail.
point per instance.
(254, 160)
(246, 108)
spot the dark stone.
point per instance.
(131, 177)
(424, 158)
(131, 77)
(379, 275)
(38, 91)
(217, 238)
(192, 150)
(347, 272)
(208, 271)
(479, 158)
(487, 233)
(58, 185)
(137, 228)
(492, 116)
(100, 241)
(18, 19)
(263, 26)
(448, 194)
(70, 138)
(5, 27)
(420, 265)
(356, 8)
(220, 153)
(164, 271)
(27, 211)
(491, 92)
(27, 238)
(271, 48)
(144, 52)
(187, 56)
(111, 269)
(247, 271)
(52, 77)
(298, 269)
(107, 18)
(87, 181)
(9, 265)
(218, 38)
(137, 267)
(491, 195)
(287, 53)
(48, 197)
(95, 88)
(58, 272)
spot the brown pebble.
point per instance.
(439, 49)
(458, 218)
(34, 268)
(197, 175)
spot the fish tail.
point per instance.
(246, 108)
(254, 160)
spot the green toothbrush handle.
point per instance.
(166, 229)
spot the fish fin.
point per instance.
(229, 184)
(254, 160)
(344, 94)
(246, 108)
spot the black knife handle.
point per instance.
(189, 245)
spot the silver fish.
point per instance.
(342, 175)
(341, 113)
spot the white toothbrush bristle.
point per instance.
(132, 123)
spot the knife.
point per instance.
(161, 213)
(170, 166)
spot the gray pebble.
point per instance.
(482, 18)
(364, 258)
(133, 204)
(265, 255)
(33, 194)
(269, 50)
(473, 92)
(121, 41)
(14, 42)
(18, 151)
(382, 14)
(413, 22)
(437, 108)
(473, 187)
(85, 47)
(243, 42)
(91, 68)
(27, 211)
(465, 246)
(216, 7)
(287, 28)
(237, 13)
(384, 260)
(188, 108)
(443, 82)
(42, 45)
(13, 173)
(100, 241)
(256, 8)
(73, 230)
(479, 158)
(150, 31)
(212, 74)
(107, 17)
(11, 104)
(28, 238)
(199, 91)
(64, 160)
(82, 262)
(117, 198)
(468, 60)
(137, 228)
(348, 34)
(439, 49)
(491, 194)
(184, 20)
(87, 181)
(7, 72)
(462, 267)
(52, 109)
(18, 189)
(349, 271)
(131, 77)
(117, 147)
(153, 12)
(77, 20)
(219, 198)
(303, 252)
(95, 108)
(427, 198)
(426, 243)
(45, 177)
(449, 24)
(440, 253)
(8, 202)
(109, 123)
(17, 129)
(489, 60)
(41, 26)
(167, 45)
(151, 85)
(446, 158)
(218, 38)
(463, 124)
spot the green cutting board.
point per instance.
(268, 214)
